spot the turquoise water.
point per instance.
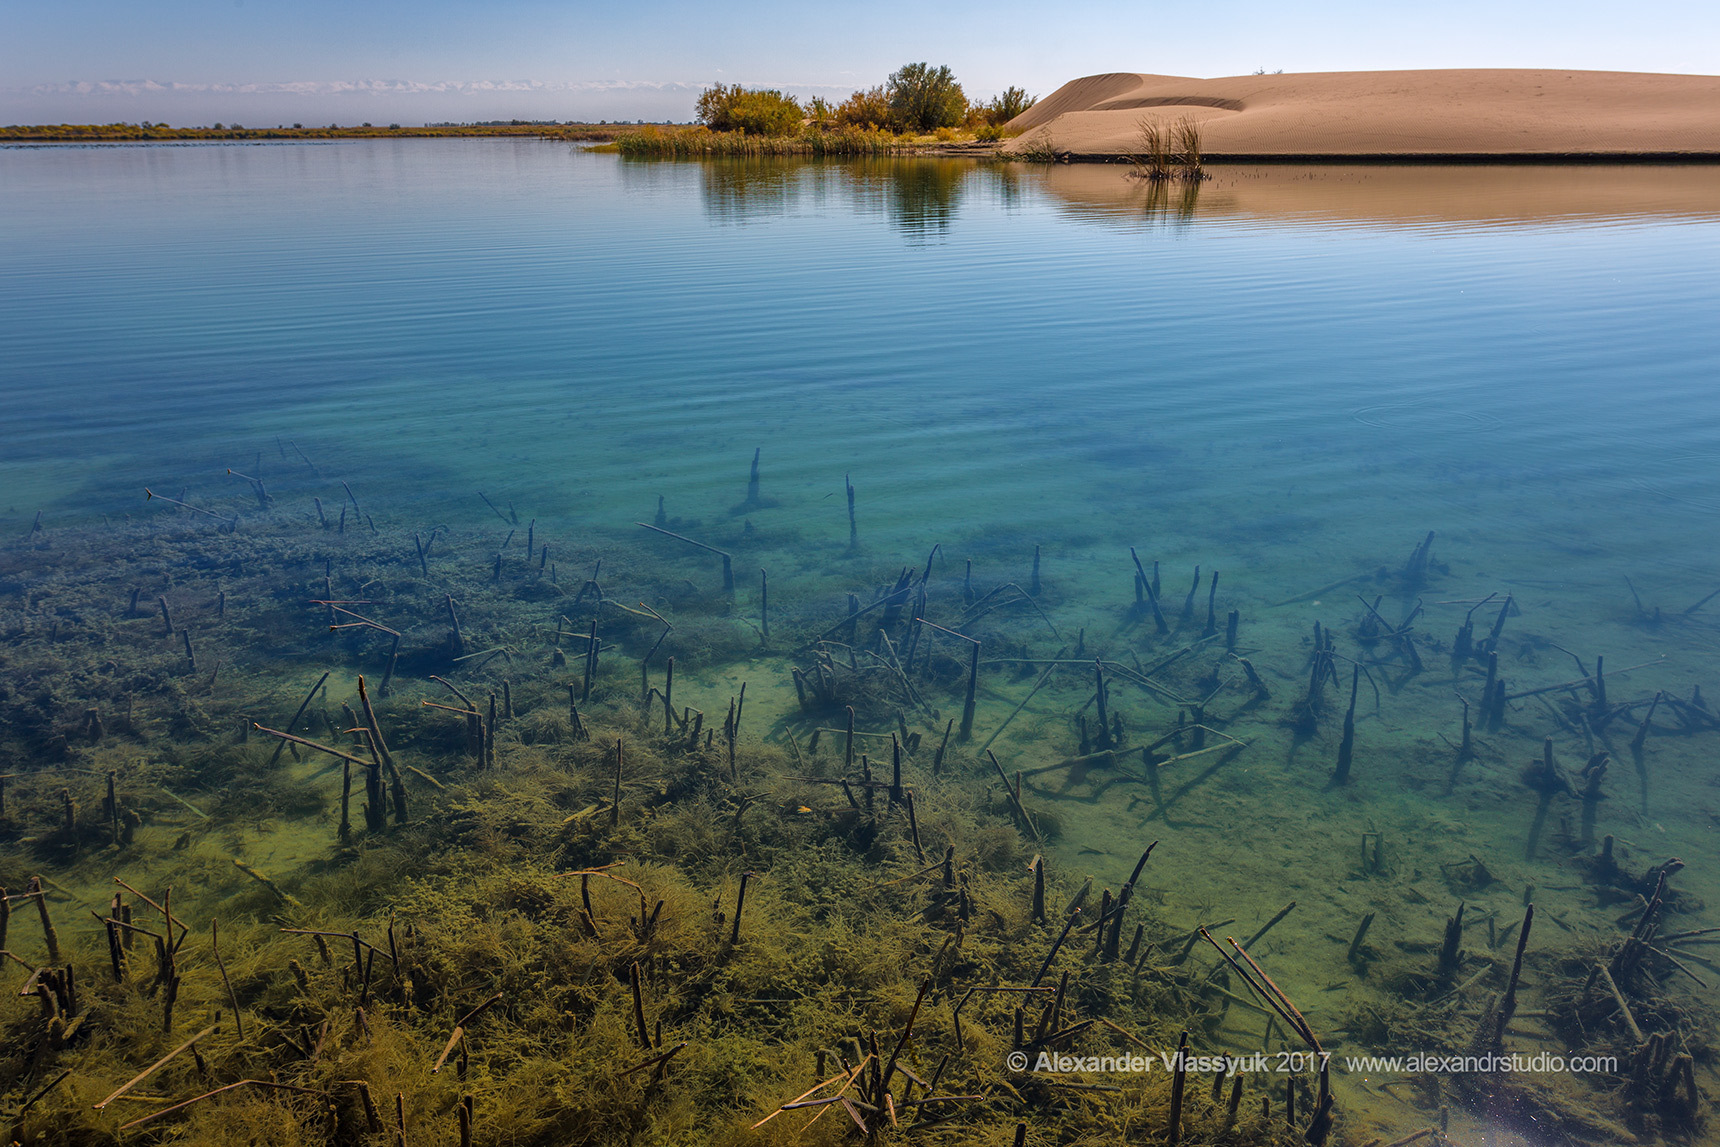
(1279, 379)
(976, 352)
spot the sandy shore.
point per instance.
(1423, 114)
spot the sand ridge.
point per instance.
(1477, 112)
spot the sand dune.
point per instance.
(1457, 112)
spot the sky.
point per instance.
(267, 62)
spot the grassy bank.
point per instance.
(652, 142)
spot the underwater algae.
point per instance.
(637, 859)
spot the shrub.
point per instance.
(999, 110)
(734, 108)
(867, 110)
(923, 98)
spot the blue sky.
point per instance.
(266, 61)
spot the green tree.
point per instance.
(734, 108)
(1001, 109)
(923, 98)
(866, 109)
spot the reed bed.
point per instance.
(1169, 151)
(652, 142)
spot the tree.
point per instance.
(1001, 109)
(923, 98)
(734, 108)
(868, 109)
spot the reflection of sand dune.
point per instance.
(1486, 195)
(1427, 113)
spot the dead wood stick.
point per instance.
(148, 494)
(1015, 801)
(451, 708)
(426, 776)
(1618, 998)
(1579, 681)
(218, 1091)
(311, 745)
(302, 706)
(156, 1066)
(848, 1078)
(1322, 591)
(232, 997)
(31, 1102)
(1050, 668)
(656, 1059)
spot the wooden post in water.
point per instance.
(1346, 748)
(454, 620)
(669, 698)
(853, 527)
(1152, 589)
(590, 662)
(615, 803)
(972, 687)
(1173, 1134)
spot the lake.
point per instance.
(365, 373)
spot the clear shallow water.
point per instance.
(945, 333)
(1290, 380)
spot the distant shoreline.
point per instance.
(139, 133)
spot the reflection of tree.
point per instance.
(1005, 180)
(923, 193)
(735, 190)
(918, 196)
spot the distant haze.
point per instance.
(263, 62)
(317, 103)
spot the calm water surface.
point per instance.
(1290, 378)
(977, 348)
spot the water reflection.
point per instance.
(919, 197)
(1169, 201)
(739, 190)
(1411, 195)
